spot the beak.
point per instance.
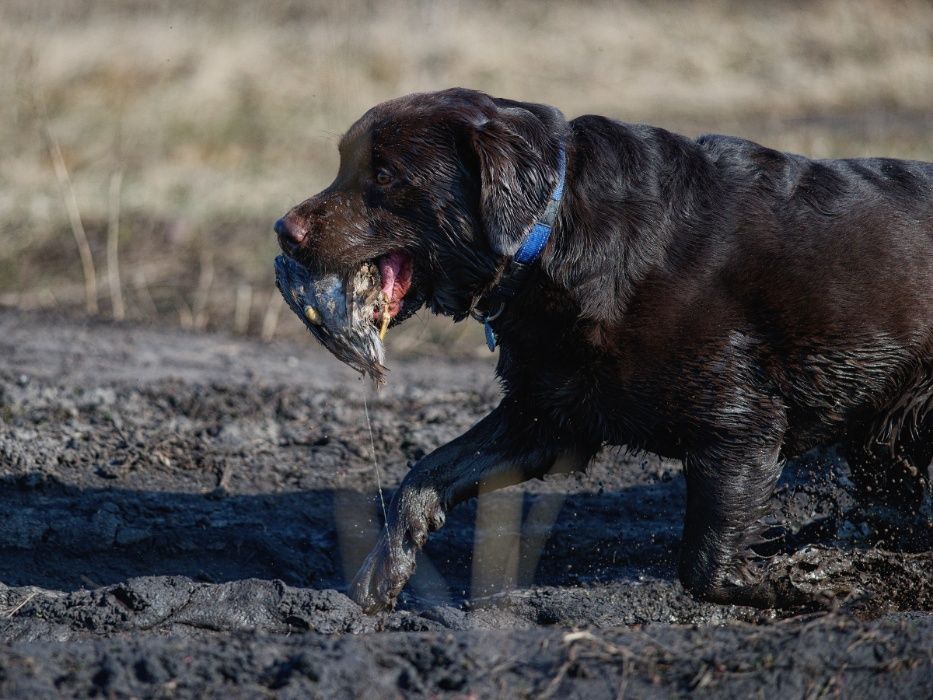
(338, 313)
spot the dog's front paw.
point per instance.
(391, 563)
(381, 578)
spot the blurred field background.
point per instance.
(171, 134)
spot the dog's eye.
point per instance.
(383, 177)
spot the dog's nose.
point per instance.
(290, 236)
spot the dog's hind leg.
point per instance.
(728, 488)
(506, 447)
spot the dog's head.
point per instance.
(433, 193)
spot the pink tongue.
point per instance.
(389, 267)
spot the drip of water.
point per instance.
(372, 444)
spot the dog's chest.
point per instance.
(587, 397)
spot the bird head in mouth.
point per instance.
(349, 314)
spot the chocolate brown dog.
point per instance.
(708, 299)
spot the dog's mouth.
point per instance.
(396, 271)
(351, 314)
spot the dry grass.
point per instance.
(219, 116)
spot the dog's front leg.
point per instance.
(506, 447)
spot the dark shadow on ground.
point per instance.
(67, 538)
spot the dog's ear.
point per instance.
(513, 151)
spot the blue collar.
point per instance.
(518, 267)
(538, 237)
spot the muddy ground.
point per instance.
(182, 513)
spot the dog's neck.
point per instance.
(517, 269)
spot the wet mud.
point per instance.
(182, 513)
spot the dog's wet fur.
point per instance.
(708, 299)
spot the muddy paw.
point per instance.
(804, 581)
(775, 593)
(381, 578)
(391, 563)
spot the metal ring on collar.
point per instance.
(492, 317)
